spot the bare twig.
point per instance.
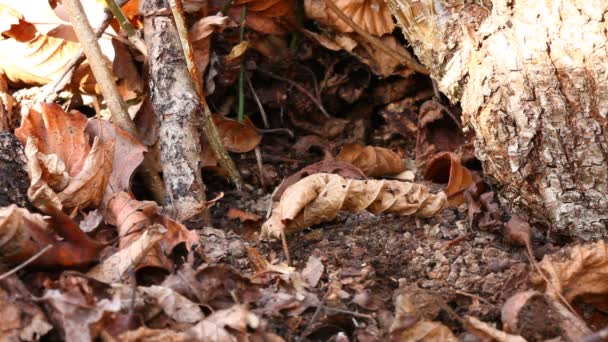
(258, 102)
(405, 58)
(116, 105)
(304, 91)
(208, 126)
(25, 263)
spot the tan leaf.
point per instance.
(153, 335)
(318, 198)
(237, 136)
(241, 215)
(114, 267)
(372, 160)
(576, 270)
(372, 16)
(446, 167)
(408, 324)
(536, 316)
(134, 218)
(486, 331)
(7, 103)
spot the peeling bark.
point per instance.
(176, 105)
(532, 79)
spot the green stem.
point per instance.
(125, 24)
(241, 108)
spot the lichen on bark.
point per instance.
(532, 80)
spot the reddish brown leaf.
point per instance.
(446, 167)
(241, 215)
(236, 136)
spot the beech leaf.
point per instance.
(237, 136)
(318, 198)
(446, 167)
(372, 160)
(373, 16)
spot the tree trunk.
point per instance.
(532, 79)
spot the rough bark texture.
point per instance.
(532, 79)
(176, 105)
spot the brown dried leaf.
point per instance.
(129, 153)
(576, 270)
(437, 132)
(22, 319)
(23, 234)
(134, 218)
(237, 136)
(241, 215)
(7, 103)
(487, 332)
(318, 198)
(446, 167)
(343, 169)
(410, 325)
(113, 268)
(313, 270)
(536, 316)
(372, 160)
(373, 16)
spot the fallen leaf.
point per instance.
(409, 325)
(313, 271)
(128, 154)
(343, 169)
(319, 198)
(65, 170)
(22, 319)
(75, 315)
(538, 317)
(485, 331)
(576, 270)
(241, 215)
(237, 136)
(7, 103)
(134, 218)
(437, 132)
(23, 234)
(154, 335)
(372, 16)
(446, 167)
(220, 324)
(484, 211)
(372, 160)
(112, 269)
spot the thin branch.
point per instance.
(405, 57)
(304, 91)
(259, 103)
(208, 126)
(25, 263)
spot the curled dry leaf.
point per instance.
(536, 316)
(319, 197)
(575, 271)
(65, 170)
(487, 332)
(134, 217)
(446, 167)
(7, 102)
(343, 169)
(23, 234)
(372, 160)
(437, 132)
(114, 267)
(373, 16)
